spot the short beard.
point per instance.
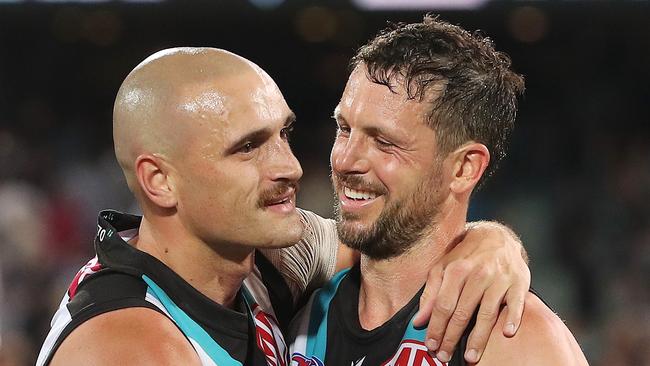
(399, 226)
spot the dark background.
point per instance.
(575, 185)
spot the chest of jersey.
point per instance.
(327, 332)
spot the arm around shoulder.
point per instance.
(542, 339)
(131, 336)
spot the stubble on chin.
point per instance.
(398, 228)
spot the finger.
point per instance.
(470, 297)
(486, 318)
(444, 302)
(431, 289)
(515, 301)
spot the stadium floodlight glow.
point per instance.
(266, 4)
(419, 4)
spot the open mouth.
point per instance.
(358, 195)
(353, 200)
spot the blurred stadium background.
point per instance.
(575, 186)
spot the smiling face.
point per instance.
(385, 168)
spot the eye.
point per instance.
(342, 130)
(285, 133)
(247, 148)
(383, 143)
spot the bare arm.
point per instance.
(132, 336)
(542, 340)
(487, 268)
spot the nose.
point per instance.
(349, 155)
(284, 165)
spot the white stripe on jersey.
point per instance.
(256, 288)
(60, 320)
(154, 300)
(205, 359)
(253, 282)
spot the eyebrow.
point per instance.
(369, 130)
(372, 131)
(259, 135)
(291, 118)
(337, 114)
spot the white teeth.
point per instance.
(358, 195)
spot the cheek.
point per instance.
(226, 187)
(388, 166)
(396, 172)
(240, 185)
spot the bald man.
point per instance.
(201, 135)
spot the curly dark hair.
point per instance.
(474, 91)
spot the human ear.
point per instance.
(470, 163)
(152, 172)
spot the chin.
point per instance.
(351, 233)
(355, 223)
(285, 233)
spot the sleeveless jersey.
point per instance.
(121, 276)
(327, 331)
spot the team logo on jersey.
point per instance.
(301, 360)
(412, 353)
(269, 338)
(92, 267)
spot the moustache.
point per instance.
(356, 182)
(277, 192)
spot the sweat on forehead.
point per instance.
(197, 80)
(171, 86)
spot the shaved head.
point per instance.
(201, 135)
(171, 95)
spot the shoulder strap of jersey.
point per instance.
(102, 292)
(316, 342)
(210, 352)
(415, 338)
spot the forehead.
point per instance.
(229, 108)
(238, 94)
(366, 101)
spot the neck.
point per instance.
(388, 285)
(217, 273)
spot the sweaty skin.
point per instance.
(154, 113)
(200, 134)
(387, 284)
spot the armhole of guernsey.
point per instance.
(103, 292)
(208, 350)
(311, 326)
